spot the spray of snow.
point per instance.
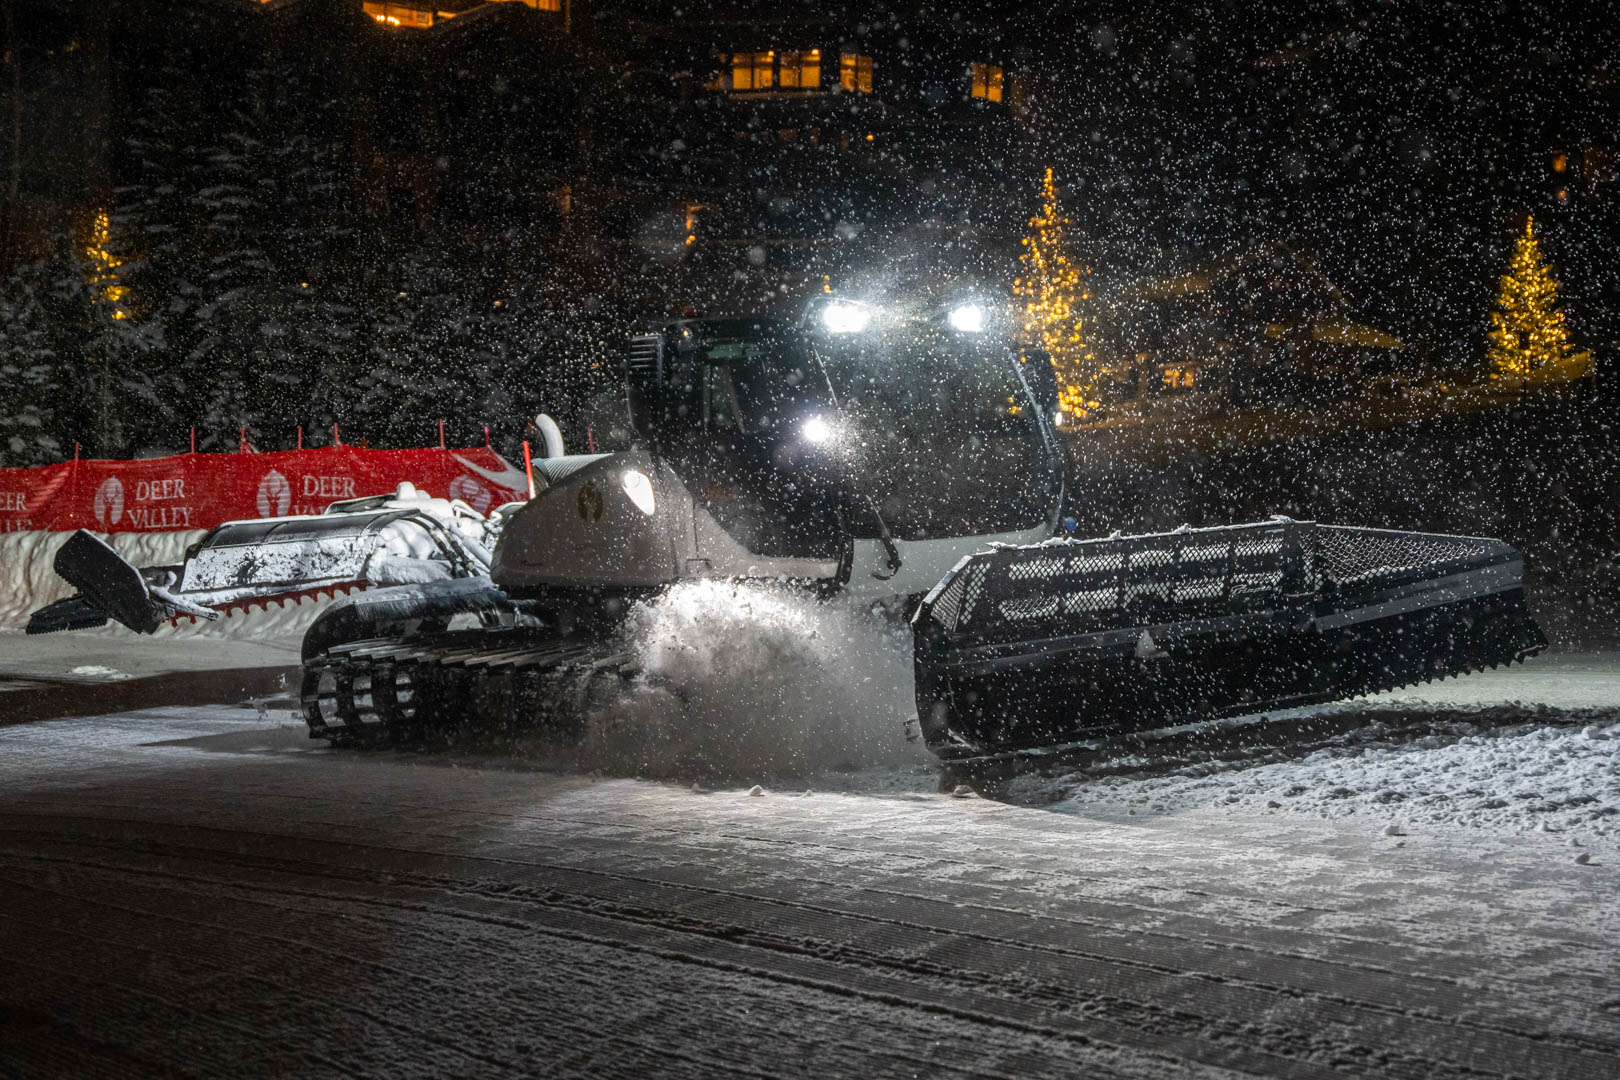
(743, 682)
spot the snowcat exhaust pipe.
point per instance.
(1026, 650)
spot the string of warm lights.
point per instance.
(1052, 286)
(1528, 338)
(104, 264)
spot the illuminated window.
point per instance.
(753, 71)
(801, 69)
(855, 72)
(987, 80)
(399, 15)
(1560, 162)
(1180, 378)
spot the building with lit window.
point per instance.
(757, 146)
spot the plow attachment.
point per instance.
(1030, 649)
(241, 565)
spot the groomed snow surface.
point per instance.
(747, 869)
(1531, 748)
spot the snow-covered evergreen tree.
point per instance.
(72, 365)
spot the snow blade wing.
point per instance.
(1028, 649)
(107, 582)
(73, 613)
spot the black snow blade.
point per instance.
(74, 613)
(1023, 649)
(110, 587)
(107, 582)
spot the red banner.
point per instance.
(198, 491)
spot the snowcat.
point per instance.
(903, 451)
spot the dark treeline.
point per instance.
(252, 254)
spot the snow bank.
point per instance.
(748, 682)
(28, 582)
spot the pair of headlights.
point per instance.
(843, 317)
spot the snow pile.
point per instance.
(1502, 767)
(743, 682)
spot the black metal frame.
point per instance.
(1023, 648)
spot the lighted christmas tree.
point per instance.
(1053, 288)
(1528, 339)
(103, 264)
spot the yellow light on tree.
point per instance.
(1053, 286)
(104, 264)
(1528, 339)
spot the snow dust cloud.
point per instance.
(745, 681)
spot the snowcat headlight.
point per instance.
(816, 430)
(968, 318)
(845, 318)
(639, 488)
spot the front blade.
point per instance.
(1029, 648)
(107, 582)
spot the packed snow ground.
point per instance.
(205, 891)
(1531, 748)
(749, 870)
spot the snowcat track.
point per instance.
(1021, 652)
(380, 690)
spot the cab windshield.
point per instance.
(948, 440)
(758, 385)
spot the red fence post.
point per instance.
(74, 483)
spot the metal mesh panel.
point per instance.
(946, 608)
(1070, 585)
(1349, 556)
(973, 588)
(1116, 581)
